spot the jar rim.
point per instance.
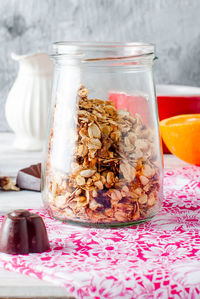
(97, 44)
(103, 49)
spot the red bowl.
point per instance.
(176, 99)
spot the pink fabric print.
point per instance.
(159, 259)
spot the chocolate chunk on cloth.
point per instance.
(23, 232)
(30, 178)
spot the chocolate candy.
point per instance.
(23, 232)
(30, 178)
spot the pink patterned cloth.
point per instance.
(158, 259)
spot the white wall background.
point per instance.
(174, 25)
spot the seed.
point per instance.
(92, 153)
(99, 185)
(96, 177)
(143, 199)
(151, 200)
(138, 191)
(105, 130)
(148, 171)
(116, 179)
(115, 135)
(78, 192)
(54, 188)
(127, 141)
(94, 205)
(83, 132)
(110, 177)
(116, 195)
(120, 216)
(94, 143)
(128, 171)
(87, 193)
(94, 193)
(143, 180)
(64, 185)
(89, 182)
(125, 189)
(80, 180)
(94, 132)
(132, 138)
(87, 173)
(103, 179)
(82, 150)
(75, 168)
(60, 201)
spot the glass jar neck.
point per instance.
(104, 54)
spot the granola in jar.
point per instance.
(114, 175)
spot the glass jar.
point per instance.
(103, 164)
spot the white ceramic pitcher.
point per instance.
(28, 100)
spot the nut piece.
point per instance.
(7, 185)
(83, 92)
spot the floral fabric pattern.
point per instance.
(158, 259)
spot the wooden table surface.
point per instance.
(14, 285)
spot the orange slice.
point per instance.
(181, 134)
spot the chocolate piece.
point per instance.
(30, 178)
(23, 232)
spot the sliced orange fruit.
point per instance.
(181, 134)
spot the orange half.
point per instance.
(181, 134)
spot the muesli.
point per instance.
(7, 185)
(114, 175)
